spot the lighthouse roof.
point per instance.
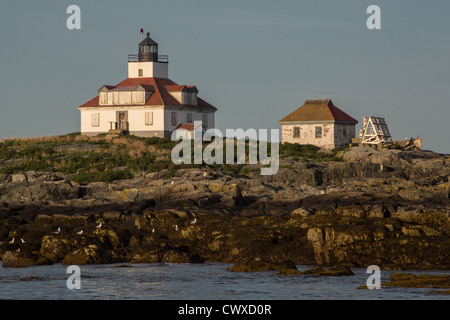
(160, 89)
(148, 41)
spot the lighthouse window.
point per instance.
(174, 118)
(149, 118)
(141, 72)
(95, 120)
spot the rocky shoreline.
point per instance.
(388, 208)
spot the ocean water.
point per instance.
(208, 281)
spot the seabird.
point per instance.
(23, 241)
(80, 232)
(12, 241)
(176, 227)
(99, 226)
(18, 250)
(57, 231)
(194, 221)
(153, 230)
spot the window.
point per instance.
(205, 119)
(318, 132)
(141, 72)
(296, 132)
(174, 118)
(95, 120)
(189, 117)
(149, 118)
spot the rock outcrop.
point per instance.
(387, 208)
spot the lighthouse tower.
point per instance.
(148, 63)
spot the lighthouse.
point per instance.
(147, 103)
(148, 63)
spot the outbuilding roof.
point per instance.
(318, 111)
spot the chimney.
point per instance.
(142, 33)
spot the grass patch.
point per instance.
(308, 152)
(91, 159)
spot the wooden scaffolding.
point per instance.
(374, 131)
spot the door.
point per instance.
(122, 120)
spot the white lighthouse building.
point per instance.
(147, 103)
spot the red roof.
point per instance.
(317, 111)
(161, 95)
(187, 126)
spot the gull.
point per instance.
(18, 250)
(80, 232)
(12, 241)
(58, 231)
(194, 221)
(23, 241)
(176, 227)
(153, 230)
(99, 226)
(171, 182)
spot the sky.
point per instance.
(255, 60)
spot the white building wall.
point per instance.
(188, 98)
(343, 134)
(308, 134)
(161, 125)
(334, 135)
(104, 117)
(150, 69)
(182, 118)
(177, 95)
(136, 119)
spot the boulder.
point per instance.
(18, 178)
(72, 220)
(112, 215)
(301, 212)
(339, 270)
(5, 178)
(175, 256)
(90, 254)
(56, 248)
(14, 259)
(255, 266)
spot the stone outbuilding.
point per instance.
(320, 123)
